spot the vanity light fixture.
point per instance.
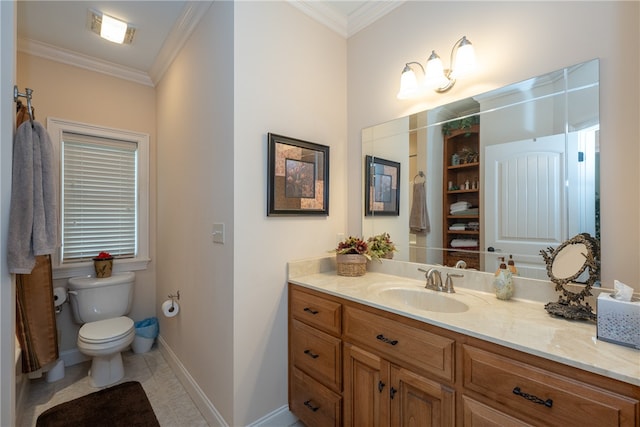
(437, 77)
(111, 28)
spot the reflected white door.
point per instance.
(524, 201)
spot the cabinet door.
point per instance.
(417, 401)
(366, 388)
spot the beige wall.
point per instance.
(515, 41)
(249, 69)
(76, 94)
(290, 79)
(195, 190)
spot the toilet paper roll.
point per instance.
(170, 308)
(59, 296)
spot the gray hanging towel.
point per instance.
(33, 223)
(419, 217)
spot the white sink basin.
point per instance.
(423, 299)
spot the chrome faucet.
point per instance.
(434, 279)
(461, 264)
(448, 286)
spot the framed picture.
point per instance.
(382, 186)
(298, 177)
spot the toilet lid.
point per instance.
(105, 330)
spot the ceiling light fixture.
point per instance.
(437, 77)
(110, 28)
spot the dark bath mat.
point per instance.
(123, 405)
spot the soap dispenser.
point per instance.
(503, 282)
(512, 266)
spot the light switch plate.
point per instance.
(218, 233)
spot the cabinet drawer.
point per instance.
(401, 343)
(317, 353)
(316, 311)
(476, 414)
(542, 396)
(313, 403)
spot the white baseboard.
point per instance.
(206, 408)
(281, 417)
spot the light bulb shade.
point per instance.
(434, 74)
(408, 83)
(113, 29)
(465, 59)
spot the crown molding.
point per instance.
(362, 17)
(192, 13)
(323, 14)
(185, 24)
(369, 13)
(53, 53)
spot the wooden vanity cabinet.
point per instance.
(505, 387)
(315, 359)
(379, 393)
(375, 368)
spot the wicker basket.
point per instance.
(351, 265)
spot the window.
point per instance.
(103, 196)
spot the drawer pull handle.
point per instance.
(310, 406)
(548, 403)
(380, 386)
(392, 392)
(387, 340)
(311, 354)
(310, 310)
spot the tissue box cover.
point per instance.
(618, 321)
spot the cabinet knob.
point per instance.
(380, 386)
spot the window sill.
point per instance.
(86, 268)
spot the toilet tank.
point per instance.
(95, 299)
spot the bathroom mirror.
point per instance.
(567, 264)
(533, 178)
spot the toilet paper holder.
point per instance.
(174, 297)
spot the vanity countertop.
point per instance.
(520, 324)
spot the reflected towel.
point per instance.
(419, 217)
(33, 224)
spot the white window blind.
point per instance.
(99, 188)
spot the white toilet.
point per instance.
(100, 305)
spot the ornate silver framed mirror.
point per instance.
(567, 265)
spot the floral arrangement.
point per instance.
(381, 246)
(103, 256)
(353, 245)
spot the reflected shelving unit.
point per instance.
(461, 192)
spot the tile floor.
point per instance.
(171, 403)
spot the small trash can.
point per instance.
(146, 333)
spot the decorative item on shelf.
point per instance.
(566, 264)
(351, 257)
(103, 264)
(381, 246)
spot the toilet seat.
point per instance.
(105, 331)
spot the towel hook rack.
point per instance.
(419, 174)
(27, 94)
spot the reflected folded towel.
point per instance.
(472, 211)
(464, 243)
(458, 206)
